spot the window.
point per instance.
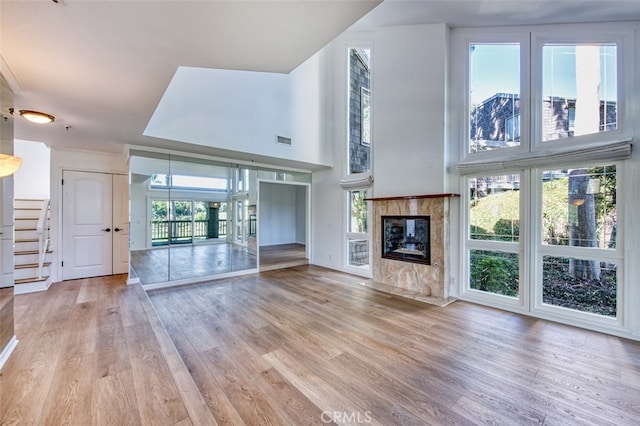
(186, 221)
(579, 211)
(359, 143)
(359, 110)
(494, 234)
(542, 170)
(242, 180)
(579, 87)
(358, 239)
(189, 182)
(494, 96)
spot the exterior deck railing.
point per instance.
(181, 231)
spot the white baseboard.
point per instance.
(8, 349)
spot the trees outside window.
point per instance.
(541, 213)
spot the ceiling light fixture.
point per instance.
(36, 116)
(9, 164)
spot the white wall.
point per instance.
(408, 98)
(279, 214)
(32, 180)
(408, 127)
(310, 111)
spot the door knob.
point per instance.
(106, 230)
(116, 229)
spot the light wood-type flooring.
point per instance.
(303, 346)
(179, 262)
(282, 256)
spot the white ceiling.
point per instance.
(101, 67)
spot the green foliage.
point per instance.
(496, 217)
(495, 272)
(359, 210)
(159, 210)
(555, 212)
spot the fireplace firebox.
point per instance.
(406, 238)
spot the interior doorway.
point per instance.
(283, 224)
(95, 224)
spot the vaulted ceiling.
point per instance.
(101, 67)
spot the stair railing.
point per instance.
(43, 235)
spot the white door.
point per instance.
(94, 205)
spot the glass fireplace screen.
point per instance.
(406, 238)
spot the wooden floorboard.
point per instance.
(334, 346)
(91, 351)
(303, 346)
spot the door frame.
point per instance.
(61, 161)
(307, 207)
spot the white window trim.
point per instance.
(503, 36)
(368, 44)
(589, 253)
(531, 40)
(604, 147)
(518, 304)
(623, 38)
(358, 270)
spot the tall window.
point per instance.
(580, 212)
(359, 110)
(358, 240)
(359, 142)
(494, 233)
(542, 211)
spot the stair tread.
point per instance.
(30, 280)
(30, 265)
(32, 240)
(28, 252)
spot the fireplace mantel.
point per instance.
(412, 197)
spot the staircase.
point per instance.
(32, 255)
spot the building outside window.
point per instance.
(541, 211)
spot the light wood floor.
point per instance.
(303, 346)
(282, 256)
(178, 262)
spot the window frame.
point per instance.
(588, 253)
(533, 156)
(482, 36)
(623, 38)
(351, 236)
(347, 90)
(513, 303)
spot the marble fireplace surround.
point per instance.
(422, 282)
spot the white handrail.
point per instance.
(43, 235)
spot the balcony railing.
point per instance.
(182, 231)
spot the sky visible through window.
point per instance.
(495, 68)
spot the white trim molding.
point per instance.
(7, 351)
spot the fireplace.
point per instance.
(406, 238)
(410, 246)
